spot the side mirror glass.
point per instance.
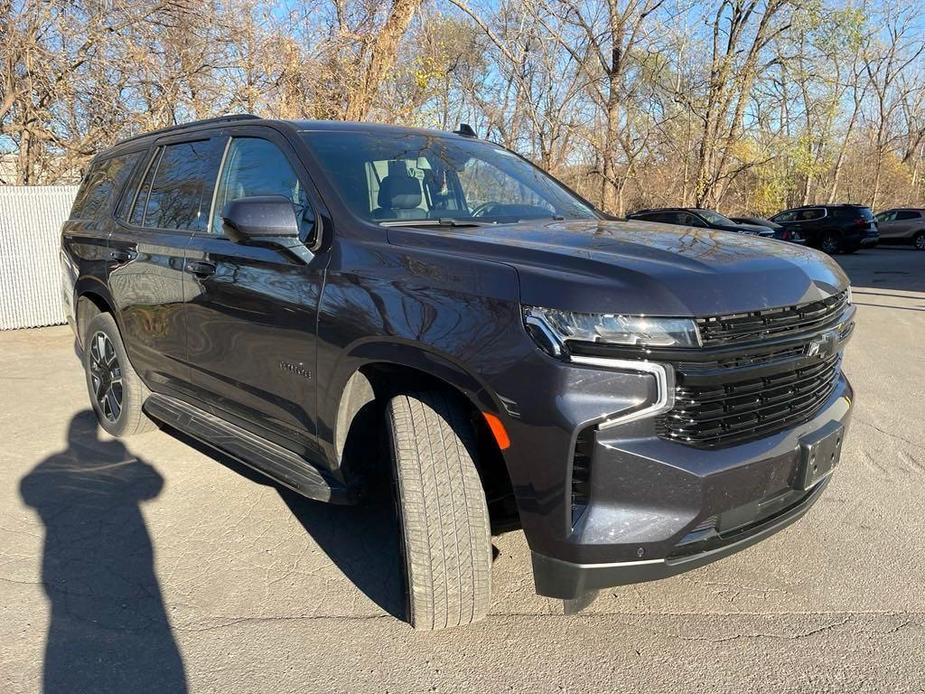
(260, 216)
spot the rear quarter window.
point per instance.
(101, 184)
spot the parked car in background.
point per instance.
(831, 228)
(698, 217)
(340, 305)
(902, 225)
(780, 232)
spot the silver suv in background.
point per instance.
(902, 225)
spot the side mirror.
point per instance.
(260, 216)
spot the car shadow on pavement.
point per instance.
(362, 540)
(108, 630)
(890, 268)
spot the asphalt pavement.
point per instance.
(153, 565)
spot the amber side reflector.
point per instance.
(497, 429)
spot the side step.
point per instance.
(276, 462)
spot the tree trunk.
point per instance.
(382, 58)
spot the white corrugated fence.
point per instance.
(30, 228)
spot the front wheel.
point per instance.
(445, 527)
(116, 391)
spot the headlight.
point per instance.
(850, 298)
(553, 329)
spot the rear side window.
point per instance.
(175, 197)
(102, 182)
(906, 215)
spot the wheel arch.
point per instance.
(380, 370)
(90, 297)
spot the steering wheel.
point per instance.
(484, 209)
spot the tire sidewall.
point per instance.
(131, 384)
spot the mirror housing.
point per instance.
(260, 216)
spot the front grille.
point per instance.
(754, 326)
(740, 410)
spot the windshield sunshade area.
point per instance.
(417, 177)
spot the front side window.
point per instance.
(176, 188)
(104, 180)
(396, 177)
(787, 216)
(690, 220)
(258, 167)
(887, 216)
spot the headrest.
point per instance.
(397, 192)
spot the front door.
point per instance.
(251, 313)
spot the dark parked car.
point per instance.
(780, 232)
(698, 217)
(902, 225)
(831, 228)
(339, 304)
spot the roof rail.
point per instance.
(205, 121)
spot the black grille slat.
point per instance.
(739, 411)
(758, 325)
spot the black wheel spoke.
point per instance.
(106, 376)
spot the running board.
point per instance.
(276, 462)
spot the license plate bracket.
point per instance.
(819, 454)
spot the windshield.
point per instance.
(714, 217)
(402, 177)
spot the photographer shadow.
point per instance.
(108, 631)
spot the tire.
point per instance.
(830, 243)
(116, 391)
(445, 529)
(919, 241)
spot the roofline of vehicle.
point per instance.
(464, 131)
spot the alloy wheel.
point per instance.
(106, 376)
(920, 242)
(829, 244)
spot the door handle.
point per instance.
(200, 268)
(123, 255)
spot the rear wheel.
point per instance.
(116, 391)
(919, 241)
(444, 519)
(830, 243)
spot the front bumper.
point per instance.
(568, 581)
(658, 508)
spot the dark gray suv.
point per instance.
(342, 305)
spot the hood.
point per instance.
(640, 267)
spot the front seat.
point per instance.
(399, 197)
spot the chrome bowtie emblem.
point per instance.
(822, 346)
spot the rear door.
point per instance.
(155, 222)
(252, 310)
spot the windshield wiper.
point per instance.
(442, 222)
